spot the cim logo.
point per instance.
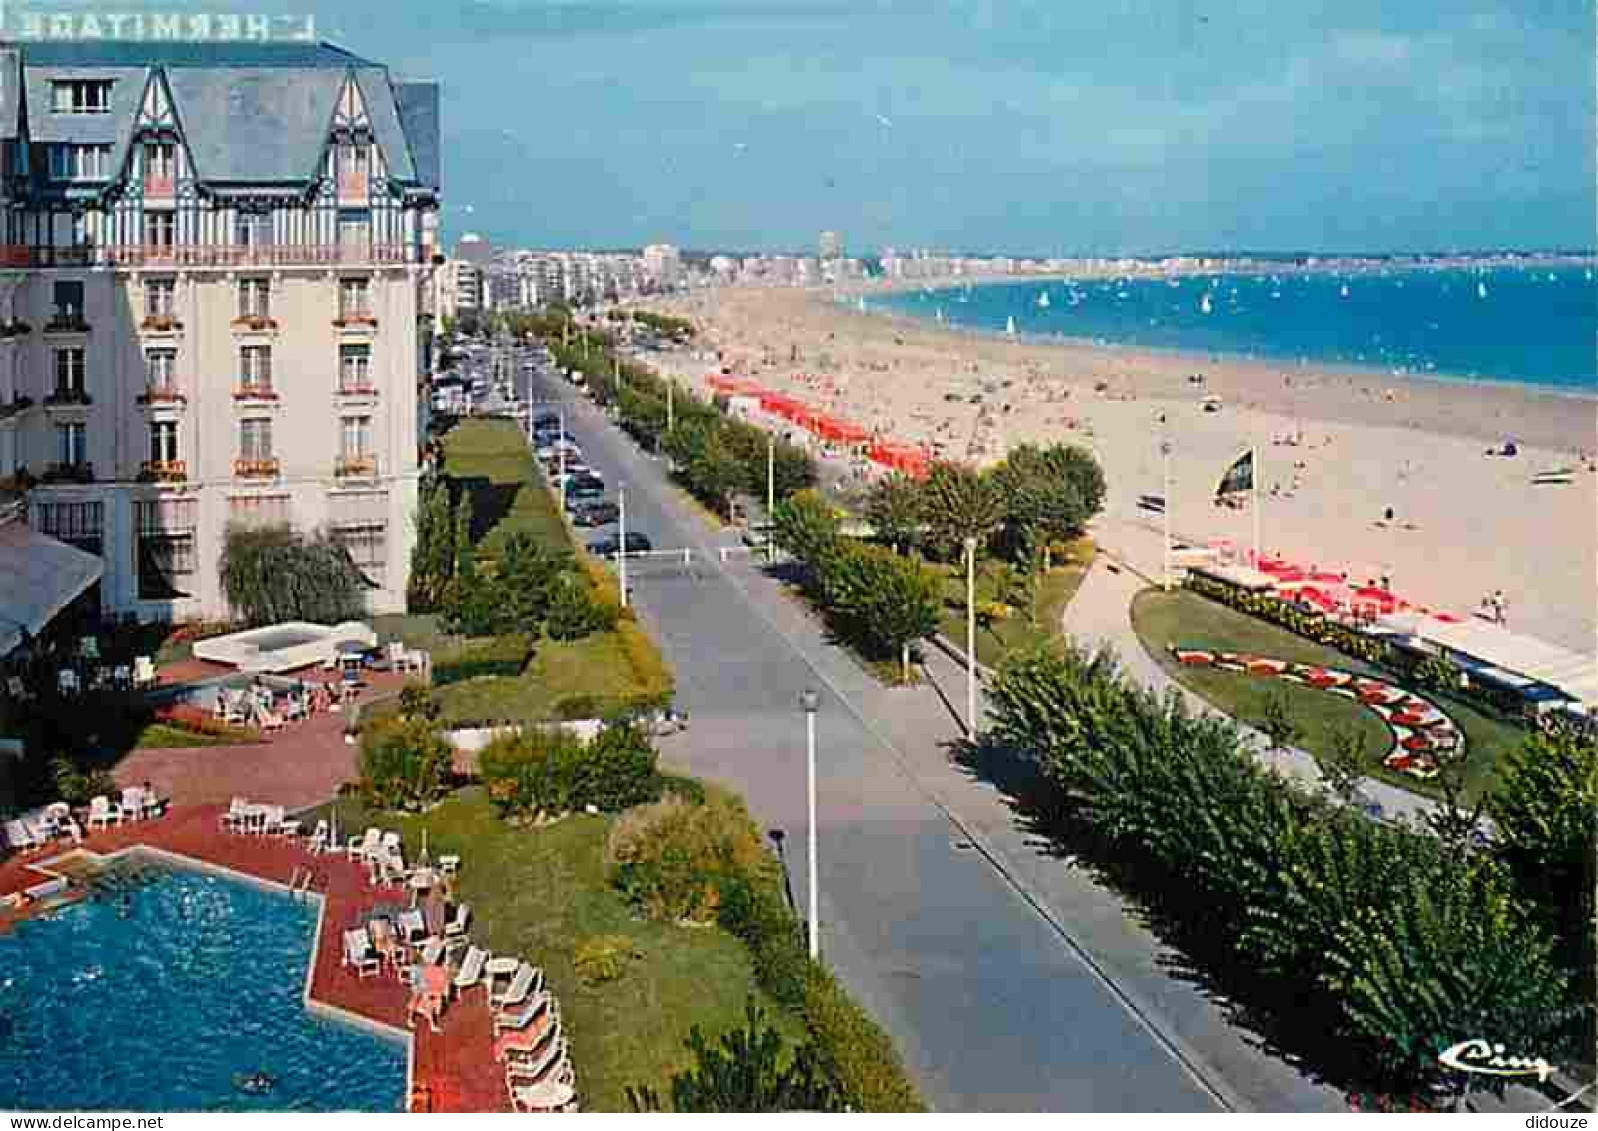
(1483, 1058)
(39, 24)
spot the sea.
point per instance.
(1531, 325)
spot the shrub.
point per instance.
(672, 858)
(855, 1051)
(272, 574)
(570, 708)
(574, 613)
(651, 675)
(603, 958)
(77, 787)
(532, 772)
(416, 702)
(505, 656)
(618, 770)
(405, 763)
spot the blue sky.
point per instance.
(1024, 126)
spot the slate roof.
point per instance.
(252, 113)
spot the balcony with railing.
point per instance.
(161, 324)
(355, 467)
(67, 321)
(159, 395)
(362, 387)
(262, 323)
(356, 318)
(257, 468)
(160, 187)
(67, 474)
(68, 396)
(14, 406)
(164, 471)
(194, 255)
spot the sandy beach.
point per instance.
(1337, 447)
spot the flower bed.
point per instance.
(1420, 730)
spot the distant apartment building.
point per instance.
(829, 246)
(212, 267)
(663, 265)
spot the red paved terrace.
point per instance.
(302, 765)
(451, 1071)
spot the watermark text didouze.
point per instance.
(40, 24)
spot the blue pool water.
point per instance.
(160, 1000)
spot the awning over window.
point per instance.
(38, 578)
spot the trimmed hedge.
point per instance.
(506, 656)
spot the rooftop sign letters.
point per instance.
(42, 25)
(1483, 1058)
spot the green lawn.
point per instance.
(1019, 632)
(508, 494)
(537, 893)
(159, 736)
(595, 668)
(1186, 619)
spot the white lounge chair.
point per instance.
(67, 682)
(358, 953)
(20, 837)
(363, 847)
(471, 971)
(133, 803)
(529, 1065)
(17, 689)
(554, 1093)
(317, 843)
(143, 672)
(412, 926)
(238, 813)
(504, 1020)
(456, 927)
(104, 813)
(529, 980)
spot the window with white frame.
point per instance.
(367, 546)
(355, 298)
(252, 229)
(255, 368)
(255, 438)
(164, 441)
(355, 368)
(255, 297)
(160, 161)
(67, 299)
(160, 370)
(160, 229)
(160, 298)
(72, 444)
(355, 438)
(70, 371)
(80, 96)
(77, 524)
(167, 561)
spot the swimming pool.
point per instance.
(166, 994)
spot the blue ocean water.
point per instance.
(162, 1001)
(1523, 325)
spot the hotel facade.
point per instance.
(214, 278)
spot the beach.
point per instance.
(1337, 447)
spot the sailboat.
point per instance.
(1043, 301)
(1344, 291)
(862, 304)
(1204, 304)
(1009, 326)
(1481, 290)
(940, 314)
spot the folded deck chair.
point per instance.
(529, 980)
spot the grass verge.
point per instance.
(538, 892)
(998, 639)
(1187, 619)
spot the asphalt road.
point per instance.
(990, 1008)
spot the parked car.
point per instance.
(661, 722)
(547, 421)
(599, 513)
(609, 546)
(584, 491)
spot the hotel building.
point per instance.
(214, 269)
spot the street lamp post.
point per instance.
(809, 700)
(621, 547)
(561, 451)
(971, 638)
(671, 407)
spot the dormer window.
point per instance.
(81, 96)
(80, 162)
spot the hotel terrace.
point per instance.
(213, 268)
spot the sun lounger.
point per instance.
(20, 837)
(529, 980)
(358, 953)
(530, 1050)
(555, 1093)
(103, 813)
(412, 926)
(237, 812)
(143, 672)
(363, 847)
(504, 1021)
(471, 971)
(456, 927)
